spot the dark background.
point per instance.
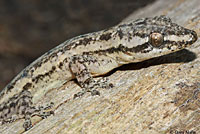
(29, 28)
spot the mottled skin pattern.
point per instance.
(86, 56)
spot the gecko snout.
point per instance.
(194, 36)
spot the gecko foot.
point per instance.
(93, 86)
(9, 120)
(46, 107)
(103, 83)
(40, 111)
(27, 124)
(43, 112)
(81, 93)
(44, 115)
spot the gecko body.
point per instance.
(86, 56)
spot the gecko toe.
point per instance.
(79, 94)
(95, 92)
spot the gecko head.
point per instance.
(152, 37)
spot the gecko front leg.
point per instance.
(83, 66)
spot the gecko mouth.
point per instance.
(128, 53)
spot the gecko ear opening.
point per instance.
(156, 39)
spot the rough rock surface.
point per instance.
(161, 95)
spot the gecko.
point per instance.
(87, 56)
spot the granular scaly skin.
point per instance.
(86, 56)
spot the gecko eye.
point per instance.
(156, 39)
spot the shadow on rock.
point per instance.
(176, 57)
